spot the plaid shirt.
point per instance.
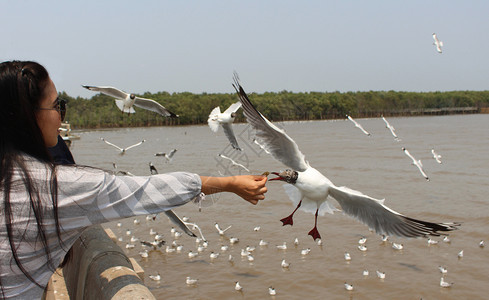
(86, 197)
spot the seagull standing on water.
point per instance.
(437, 43)
(309, 189)
(417, 163)
(226, 119)
(125, 101)
(358, 125)
(122, 151)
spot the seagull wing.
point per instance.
(154, 106)
(212, 120)
(373, 213)
(172, 153)
(233, 108)
(275, 140)
(177, 221)
(108, 90)
(135, 145)
(228, 131)
(113, 145)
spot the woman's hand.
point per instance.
(249, 187)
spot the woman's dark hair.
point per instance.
(22, 87)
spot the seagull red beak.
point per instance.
(276, 178)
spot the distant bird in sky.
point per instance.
(167, 156)
(437, 43)
(122, 151)
(417, 163)
(436, 156)
(391, 129)
(125, 101)
(309, 189)
(358, 125)
(226, 120)
(234, 163)
(152, 169)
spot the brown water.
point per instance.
(458, 191)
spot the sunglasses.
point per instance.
(60, 107)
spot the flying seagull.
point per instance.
(169, 156)
(226, 119)
(125, 101)
(391, 128)
(358, 125)
(234, 163)
(436, 156)
(309, 189)
(437, 43)
(417, 163)
(122, 151)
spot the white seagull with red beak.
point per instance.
(309, 189)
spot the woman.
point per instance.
(45, 207)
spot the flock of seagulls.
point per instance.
(306, 187)
(415, 162)
(216, 250)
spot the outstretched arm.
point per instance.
(249, 187)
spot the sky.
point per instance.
(274, 45)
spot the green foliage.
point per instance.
(100, 111)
